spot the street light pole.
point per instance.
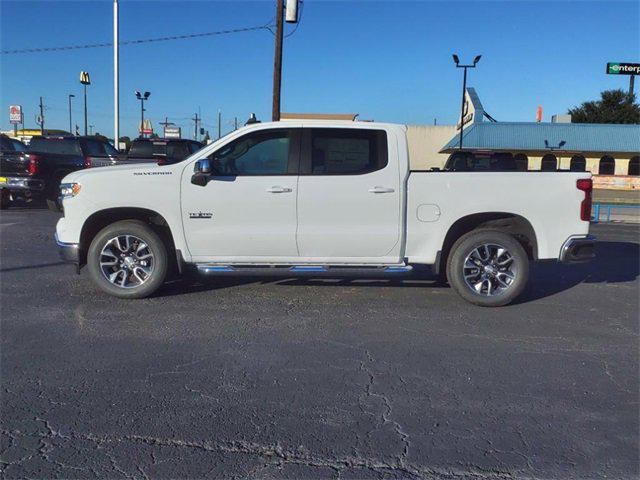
(142, 98)
(70, 122)
(464, 89)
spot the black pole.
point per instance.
(277, 62)
(464, 88)
(41, 117)
(631, 81)
(142, 117)
(85, 108)
(235, 123)
(70, 123)
(219, 124)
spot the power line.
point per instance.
(136, 42)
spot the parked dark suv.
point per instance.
(50, 158)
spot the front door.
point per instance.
(349, 198)
(247, 210)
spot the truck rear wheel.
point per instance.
(488, 268)
(128, 259)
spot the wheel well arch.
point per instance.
(102, 218)
(511, 223)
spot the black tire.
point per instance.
(5, 199)
(54, 205)
(155, 245)
(491, 277)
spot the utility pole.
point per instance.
(631, 81)
(219, 123)
(277, 62)
(235, 123)
(196, 120)
(41, 117)
(116, 76)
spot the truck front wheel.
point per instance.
(488, 268)
(128, 259)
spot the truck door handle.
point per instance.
(277, 189)
(381, 190)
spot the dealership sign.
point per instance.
(623, 68)
(172, 132)
(15, 114)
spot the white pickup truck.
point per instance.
(320, 198)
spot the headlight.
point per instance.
(68, 190)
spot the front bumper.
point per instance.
(22, 184)
(578, 249)
(69, 252)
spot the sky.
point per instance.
(386, 60)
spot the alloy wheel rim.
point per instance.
(127, 261)
(489, 269)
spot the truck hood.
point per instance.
(91, 173)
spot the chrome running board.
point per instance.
(297, 270)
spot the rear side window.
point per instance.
(93, 148)
(18, 146)
(344, 151)
(64, 146)
(141, 149)
(178, 150)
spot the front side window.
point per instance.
(258, 153)
(346, 151)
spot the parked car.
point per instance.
(56, 156)
(163, 151)
(17, 172)
(481, 162)
(320, 198)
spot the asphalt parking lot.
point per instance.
(282, 378)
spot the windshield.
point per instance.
(63, 146)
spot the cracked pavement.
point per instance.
(284, 378)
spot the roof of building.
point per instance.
(529, 136)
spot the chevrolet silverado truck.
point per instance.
(320, 198)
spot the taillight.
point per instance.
(87, 162)
(32, 167)
(586, 185)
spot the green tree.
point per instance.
(614, 106)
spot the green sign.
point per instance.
(618, 68)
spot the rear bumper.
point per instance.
(69, 252)
(578, 249)
(22, 184)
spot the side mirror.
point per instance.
(202, 166)
(202, 170)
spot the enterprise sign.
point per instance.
(623, 68)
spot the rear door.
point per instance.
(349, 196)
